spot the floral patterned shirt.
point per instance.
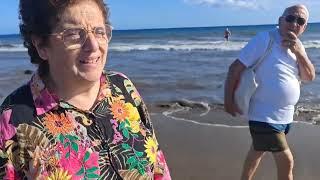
(44, 137)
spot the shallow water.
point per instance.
(169, 64)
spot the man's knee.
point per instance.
(284, 158)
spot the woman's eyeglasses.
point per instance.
(74, 38)
(291, 19)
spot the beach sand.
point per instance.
(200, 151)
(202, 143)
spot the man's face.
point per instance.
(293, 21)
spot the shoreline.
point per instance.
(199, 112)
(201, 151)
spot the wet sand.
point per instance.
(202, 144)
(200, 151)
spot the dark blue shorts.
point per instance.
(268, 136)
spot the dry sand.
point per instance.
(201, 151)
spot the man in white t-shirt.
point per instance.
(272, 106)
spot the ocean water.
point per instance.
(169, 65)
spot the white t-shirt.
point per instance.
(277, 76)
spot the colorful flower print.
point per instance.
(77, 159)
(57, 124)
(133, 112)
(151, 149)
(119, 111)
(11, 173)
(59, 174)
(7, 131)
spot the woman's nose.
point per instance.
(91, 43)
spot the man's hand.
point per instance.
(306, 68)
(291, 41)
(232, 108)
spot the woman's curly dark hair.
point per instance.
(39, 17)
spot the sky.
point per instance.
(148, 14)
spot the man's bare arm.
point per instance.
(232, 80)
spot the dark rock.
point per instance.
(6, 46)
(28, 71)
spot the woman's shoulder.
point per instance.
(19, 96)
(117, 77)
(121, 82)
(19, 102)
(115, 74)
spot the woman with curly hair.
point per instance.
(73, 120)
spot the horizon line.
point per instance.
(187, 27)
(219, 26)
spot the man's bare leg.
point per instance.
(251, 163)
(285, 162)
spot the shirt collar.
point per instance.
(45, 100)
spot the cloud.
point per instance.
(252, 4)
(242, 4)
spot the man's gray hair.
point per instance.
(297, 6)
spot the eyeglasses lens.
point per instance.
(292, 19)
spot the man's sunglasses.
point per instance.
(291, 19)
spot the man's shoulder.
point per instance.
(261, 39)
(263, 34)
(266, 34)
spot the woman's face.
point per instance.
(84, 63)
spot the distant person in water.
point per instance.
(271, 107)
(227, 34)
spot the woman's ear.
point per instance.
(41, 49)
